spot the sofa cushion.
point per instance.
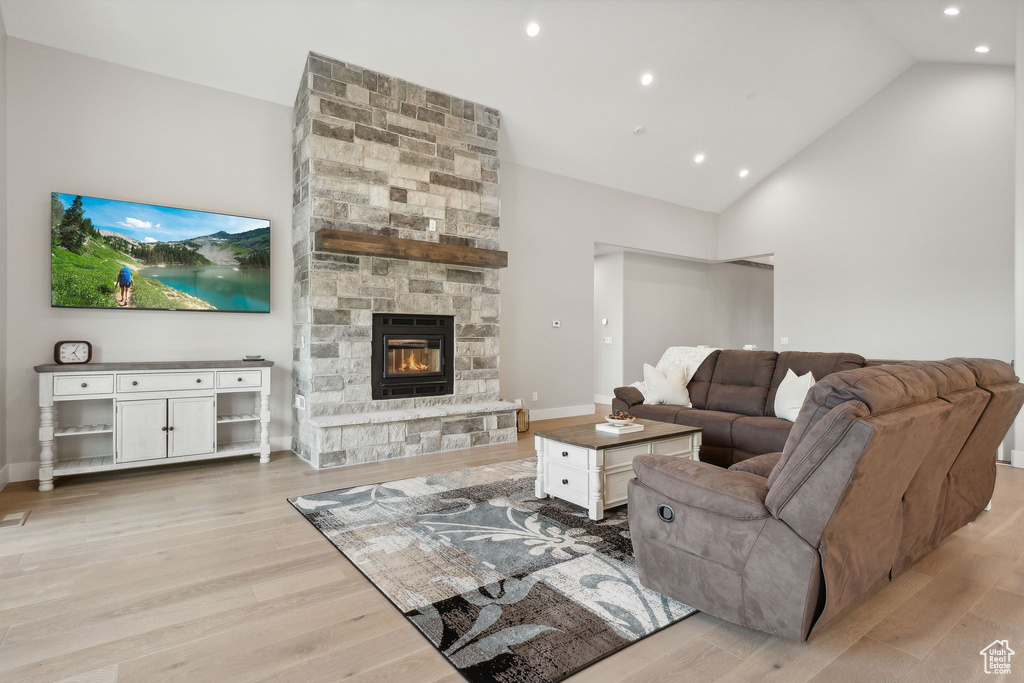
(716, 425)
(761, 465)
(801, 362)
(760, 434)
(701, 381)
(741, 381)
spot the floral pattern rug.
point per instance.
(506, 586)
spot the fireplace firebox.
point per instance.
(413, 355)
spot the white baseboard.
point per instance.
(1017, 458)
(566, 411)
(603, 400)
(23, 471)
(4, 480)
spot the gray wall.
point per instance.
(95, 128)
(893, 232)
(674, 302)
(4, 473)
(608, 293)
(549, 225)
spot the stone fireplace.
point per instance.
(395, 295)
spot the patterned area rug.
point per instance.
(507, 587)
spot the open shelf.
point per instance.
(238, 447)
(97, 463)
(243, 417)
(84, 429)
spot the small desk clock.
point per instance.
(72, 352)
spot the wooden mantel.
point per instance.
(363, 244)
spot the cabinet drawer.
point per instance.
(613, 457)
(564, 454)
(82, 385)
(178, 381)
(239, 378)
(679, 446)
(567, 483)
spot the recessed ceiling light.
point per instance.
(533, 29)
(744, 173)
(647, 79)
(698, 159)
(951, 11)
(982, 49)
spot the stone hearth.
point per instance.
(378, 155)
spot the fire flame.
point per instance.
(412, 365)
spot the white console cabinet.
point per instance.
(123, 415)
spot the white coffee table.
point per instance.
(591, 468)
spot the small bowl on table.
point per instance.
(619, 421)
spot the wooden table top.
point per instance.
(586, 436)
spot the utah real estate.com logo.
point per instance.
(997, 657)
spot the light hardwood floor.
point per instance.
(206, 573)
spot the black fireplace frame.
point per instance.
(439, 383)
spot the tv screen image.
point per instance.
(107, 253)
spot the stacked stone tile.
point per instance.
(377, 154)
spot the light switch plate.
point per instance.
(432, 226)
(784, 341)
(556, 323)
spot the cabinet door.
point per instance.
(141, 430)
(192, 426)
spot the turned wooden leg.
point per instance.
(539, 486)
(264, 428)
(46, 448)
(596, 508)
(696, 447)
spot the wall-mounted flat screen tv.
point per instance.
(107, 253)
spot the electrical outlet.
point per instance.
(300, 401)
(606, 340)
(784, 341)
(535, 396)
(556, 323)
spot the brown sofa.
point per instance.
(733, 400)
(881, 465)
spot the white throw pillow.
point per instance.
(666, 387)
(790, 396)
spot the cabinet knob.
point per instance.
(565, 481)
(84, 385)
(170, 429)
(239, 379)
(199, 381)
(163, 429)
(135, 383)
(565, 454)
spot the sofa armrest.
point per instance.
(631, 396)
(701, 485)
(761, 465)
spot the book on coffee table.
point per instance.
(613, 429)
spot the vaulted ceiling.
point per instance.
(747, 83)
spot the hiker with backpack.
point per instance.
(124, 281)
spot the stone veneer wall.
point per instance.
(376, 154)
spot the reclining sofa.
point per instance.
(733, 400)
(881, 465)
